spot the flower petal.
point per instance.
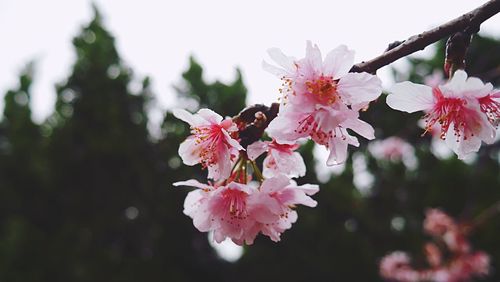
(410, 97)
(256, 149)
(338, 62)
(357, 88)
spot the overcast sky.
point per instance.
(156, 38)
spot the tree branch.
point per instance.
(469, 23)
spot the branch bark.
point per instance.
(469, 23)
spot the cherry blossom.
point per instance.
(280, 159)
(240, 211)
(321, 99)
(221, 209)
(394, 149)
(455, 106)
(272, 205)
(459, 264)
(210, 144)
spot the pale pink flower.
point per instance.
(396, 267)
(321, 99)
(210, 143)
(394, 149)
(437, 223)
(454, 105)
(223, 210)
(272, 204)
(280, 159)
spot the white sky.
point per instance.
(156, 37)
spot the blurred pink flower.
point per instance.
(459, 265)
(455, 106)
(210, 143)
(321, 99)
(280, 159)
(394, 149)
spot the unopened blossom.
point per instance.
(271, 205)
(455, 106)
(210, 144)
(321, 99)
(394, 149)
(280, 159)
(224, 210)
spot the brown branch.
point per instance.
(469, 23)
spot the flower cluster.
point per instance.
(465, 110)
(459, 264)
(321, 100)
(232, 206)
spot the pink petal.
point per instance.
(361, 127)
(191, 183)
(286, 62)
(283, 128)
(357, 88)
(210, 116)
(313, 58)
(189, 151)
(256, 149)
(338, 151)
(187, 117)
(410, 97)
(338, 62)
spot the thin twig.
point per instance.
(469, 22)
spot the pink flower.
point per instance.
(239, 211)
(437, 223)
(321, 99)
(272, 205)
(280, 159)
(394, 149)
(454, 105)
(396, 266)
(223, 210)
(210, 143)
(459, 265)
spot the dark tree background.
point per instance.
(87, 195)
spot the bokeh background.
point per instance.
(86, 194)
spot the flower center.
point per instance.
(491, 108)
(324, 89)
(234, 203)
(208, 138)
(448, 111)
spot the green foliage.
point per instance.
(87, 195)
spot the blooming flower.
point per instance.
(280, 159)
(321, 99)
(240, 211)
(455, 106)
(223, 210)
(210, 143)
(272, 205)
